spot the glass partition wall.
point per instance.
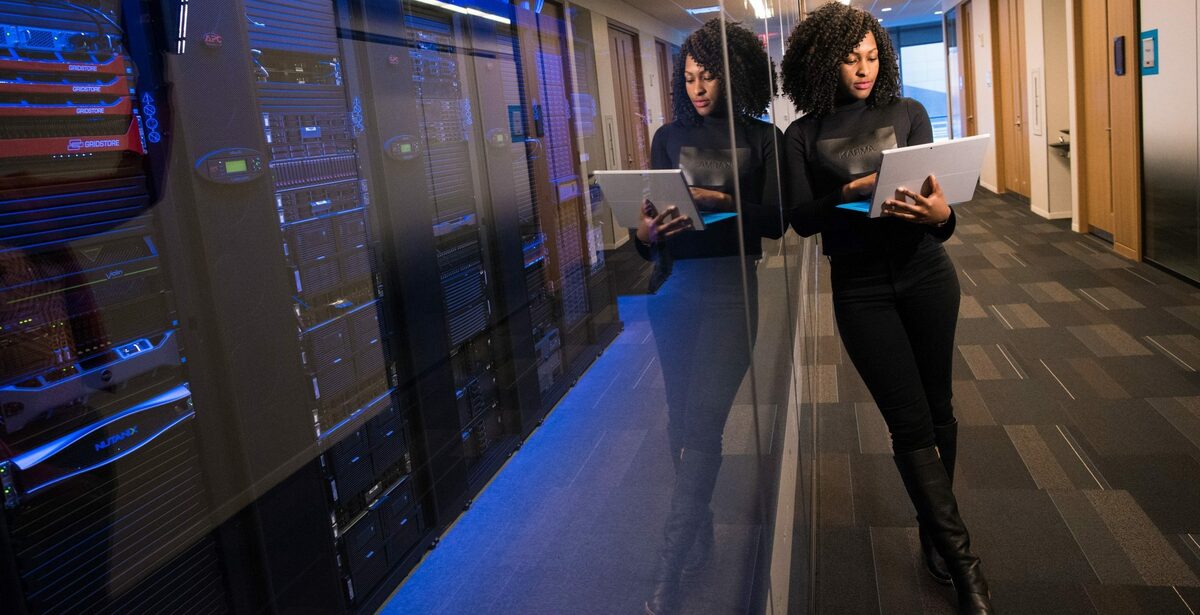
(320, 306)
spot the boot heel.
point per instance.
(928, 487)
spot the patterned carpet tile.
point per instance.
(1078, 399)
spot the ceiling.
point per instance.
(674, 12)
(903, 12)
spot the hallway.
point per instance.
(1079, 462)
(1079, 468)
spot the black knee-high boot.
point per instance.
(705, 542)
(703, 546)
(694, 481)
(928, 487)
(946, 437)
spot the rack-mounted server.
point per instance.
(105, 507)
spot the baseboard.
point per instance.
(621, 240)
(1062, 215)
(990, 187)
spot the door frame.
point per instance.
(640, 157)
(1012, 144)
(966, 54)
(666, 73)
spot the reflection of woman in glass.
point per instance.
(699, 315)
(895, 290)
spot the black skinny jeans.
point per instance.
(699, 321)
(896, 315)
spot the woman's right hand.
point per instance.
(859, 189)
(656, 226)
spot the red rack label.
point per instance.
(115, 66)
(122, 107)
(60, 146)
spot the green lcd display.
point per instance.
(405, 148)
(235, 166)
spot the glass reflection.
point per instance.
(285, 284)
(702, 323)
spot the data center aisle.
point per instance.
(572, 524)
(1079, 461)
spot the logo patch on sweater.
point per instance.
(858, 155)
(713, 168)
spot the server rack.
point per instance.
(578, 276)
(331, 398)
(105, 506)
(270, 321)
(492, 146)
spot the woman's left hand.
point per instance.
(711, 200)
(929, 207)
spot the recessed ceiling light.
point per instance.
(704, 9)
(937, 12)
(886, 9)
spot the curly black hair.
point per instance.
(818, 46)
(751, 69)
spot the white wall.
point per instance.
(985, 105)
(1058, 97)
(1035, 96)
(1073, 111)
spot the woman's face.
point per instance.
(859, 69)
(703, 89)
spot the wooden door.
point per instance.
(966, 59)
(1009, 17)
(1093, 143)
(665, 82)
(630, 98)
(1124, 123)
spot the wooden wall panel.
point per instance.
(1125, 122)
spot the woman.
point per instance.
(702, 324)
(895, 290)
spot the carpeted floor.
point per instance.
(1079, 464)
(1079, 467)
(573, 523)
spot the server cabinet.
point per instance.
(585, 317)
(420, 121)
(284, 282)
(105, 503)
(288, 297)
(479, 167)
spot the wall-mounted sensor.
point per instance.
(1149, 52)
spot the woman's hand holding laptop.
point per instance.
(860, 189)
(657, 226)
(927, 207)
(711, 200)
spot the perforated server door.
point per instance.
(104, 502)
(561, 204)
(275, 179)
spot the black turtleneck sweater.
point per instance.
(825, 153)
(704, 154)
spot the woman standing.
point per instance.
(895, 290)
(704, 310)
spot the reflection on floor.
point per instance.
(1079, 467)
(573, 523)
